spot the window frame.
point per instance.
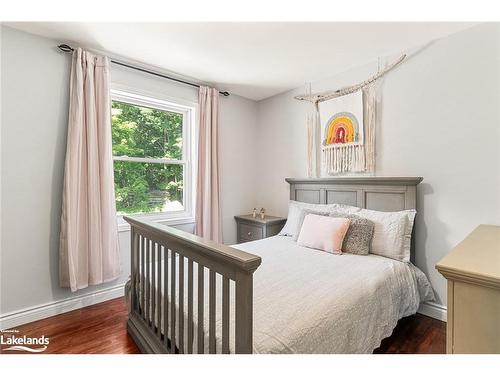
(188, 110)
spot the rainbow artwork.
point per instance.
(342, 134)
(342, 127)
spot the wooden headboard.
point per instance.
(371, 192)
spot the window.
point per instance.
(152, 156)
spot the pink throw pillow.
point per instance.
(323, 233)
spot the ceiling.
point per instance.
(254, 60)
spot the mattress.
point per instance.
(310, 301)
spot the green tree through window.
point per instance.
(151, 185)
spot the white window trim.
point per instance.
(188, 110)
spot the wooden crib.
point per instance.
(152, 312)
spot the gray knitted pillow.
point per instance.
(359, 236)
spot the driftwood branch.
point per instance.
(327, 95)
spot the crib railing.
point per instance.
(164, 262)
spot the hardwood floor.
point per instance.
(416, 334)
(97, 329)
(101, 329)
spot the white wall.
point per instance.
(238, 163)
(34, 92)
(440, 119)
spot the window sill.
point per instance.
(123, 226)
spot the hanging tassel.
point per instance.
(343, 158)
(370, 104)
(309, 146)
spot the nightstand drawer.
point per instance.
(250, 232)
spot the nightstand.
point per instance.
(251, 229)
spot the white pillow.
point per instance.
(392, 233)
(293, 222)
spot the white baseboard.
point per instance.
(35, 313)
(433, 310)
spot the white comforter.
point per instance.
(310, 301)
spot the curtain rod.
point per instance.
(66, 48)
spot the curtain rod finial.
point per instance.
(65, 48)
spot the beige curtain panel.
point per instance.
(208, 211)
(89, 252)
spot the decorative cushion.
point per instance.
(302, 215)
(392, 233)
(292, 227)
(359, 236)
(323, 233)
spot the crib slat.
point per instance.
(181, 304)
(137, 271)
(148, 281)
(211, 314)
(172, 300)
(165, 296)
(201, 305)
(133, 238)
(153, 284)
(190, 308)
(225, 315)
(143, 277)
(158, 289)
(243, 315)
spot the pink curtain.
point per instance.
(208, 211)
(88, 252)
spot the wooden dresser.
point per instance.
(472, 269)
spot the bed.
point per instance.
(190, 295)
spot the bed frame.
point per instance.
(151, 242)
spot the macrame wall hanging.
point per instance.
(341, 128)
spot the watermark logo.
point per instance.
(12, 341)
